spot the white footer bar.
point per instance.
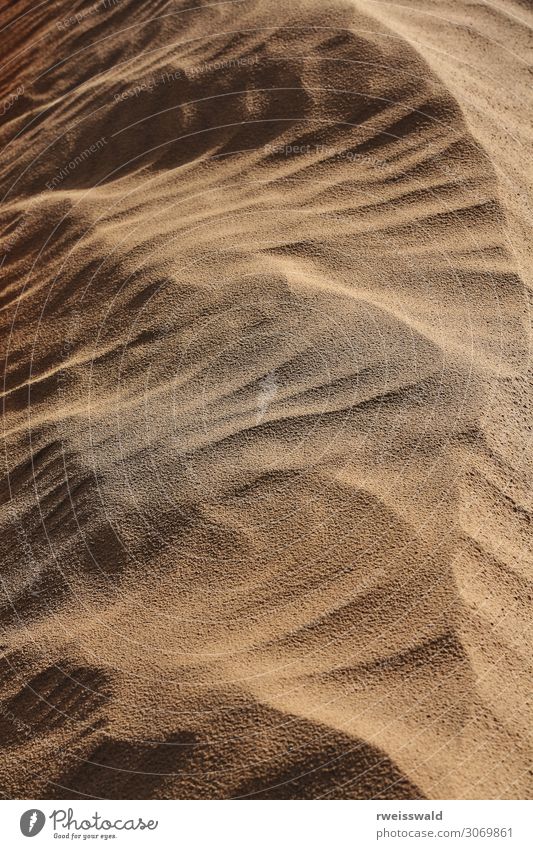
(267, 825)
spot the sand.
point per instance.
(266, 499)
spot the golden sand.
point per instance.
(266, 500)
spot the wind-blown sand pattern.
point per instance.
(266, 500)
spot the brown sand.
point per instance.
(266, 508)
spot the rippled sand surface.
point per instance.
(266, 490)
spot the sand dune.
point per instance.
(266, 504)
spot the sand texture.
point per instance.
(264, 310)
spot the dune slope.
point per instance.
(266, 501)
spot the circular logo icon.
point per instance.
(31, 822)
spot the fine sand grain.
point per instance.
(264, 305)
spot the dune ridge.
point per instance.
(266, 504)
